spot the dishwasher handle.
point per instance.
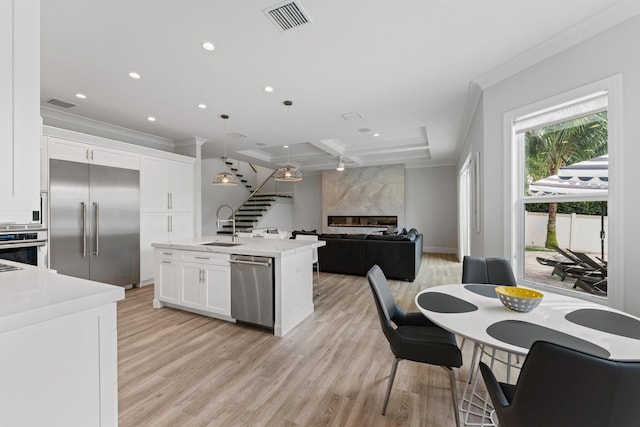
(262, 264)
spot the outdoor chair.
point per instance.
(560, 387)
(414, 337)
(576, 269)
(595, 265)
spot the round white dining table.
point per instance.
(474, 311)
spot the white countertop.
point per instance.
(35, 294)
(259, 246)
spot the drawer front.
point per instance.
(207, 258)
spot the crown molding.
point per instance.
(73, 122)
(595, 24)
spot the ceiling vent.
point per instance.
(236, 135)
(60, 103)
(352, 116)
(288, 15)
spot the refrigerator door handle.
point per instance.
(97, 206)
(84, 229)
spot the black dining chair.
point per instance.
(492, 271)
(487, 271)
(560, 387)
(414, 337)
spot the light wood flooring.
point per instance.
(181, 369)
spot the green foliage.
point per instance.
(580, 208)
(551, 147)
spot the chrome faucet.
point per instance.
(231, 219)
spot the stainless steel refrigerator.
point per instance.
(94, 222)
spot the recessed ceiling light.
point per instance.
(134, 75)
(81, 96)
(151, 119)
(268, 89)
(376, 134)
(202, 106)
(285, 146)
(208, 46)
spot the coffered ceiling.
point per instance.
(373, 81)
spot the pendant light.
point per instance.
(288, 173)
(340, 166)
(225, 178)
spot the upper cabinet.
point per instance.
(85, 153)
(20, 124)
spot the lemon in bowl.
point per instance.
(522, 300)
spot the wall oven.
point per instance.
(25, 243)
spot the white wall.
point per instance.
(307, 203)
(213, 196)
(474, 143)
(431, 206)
(602, 56)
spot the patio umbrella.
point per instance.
(587, 177)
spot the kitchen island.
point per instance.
(58, 336)
(195, 275)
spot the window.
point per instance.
(561, 196)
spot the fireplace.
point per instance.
(379, 221)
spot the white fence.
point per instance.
(576, 232)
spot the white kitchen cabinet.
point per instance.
(166, 185)
(218, 296)
(166, 205)
(168, 278)
(181, 189)
(58, 361)
(20, 123)
(202, 281)
(160, 227)
(73, 151)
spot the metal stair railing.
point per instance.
(254, 192)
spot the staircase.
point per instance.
(250, 214)
(238, 175)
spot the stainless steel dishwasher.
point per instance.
(252, 290)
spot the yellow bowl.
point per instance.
(522, 300)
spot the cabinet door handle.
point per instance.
(201, 275)
(168, 200)
(167, 253)
(202, 257)
(91, 154)
(166, 262)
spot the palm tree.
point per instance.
(551, 147)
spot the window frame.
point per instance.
(515, 199)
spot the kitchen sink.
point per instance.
(224, 244)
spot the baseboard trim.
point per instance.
(439, 250)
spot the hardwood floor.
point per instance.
(181, 369)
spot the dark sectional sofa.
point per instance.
(398, 255)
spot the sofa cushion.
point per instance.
(331, 236)
(294, 233)
(355, 236)
(388, 237)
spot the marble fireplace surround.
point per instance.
(372, 191)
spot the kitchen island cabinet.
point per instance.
(195, 277)
(199, 282)
(58, 362)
